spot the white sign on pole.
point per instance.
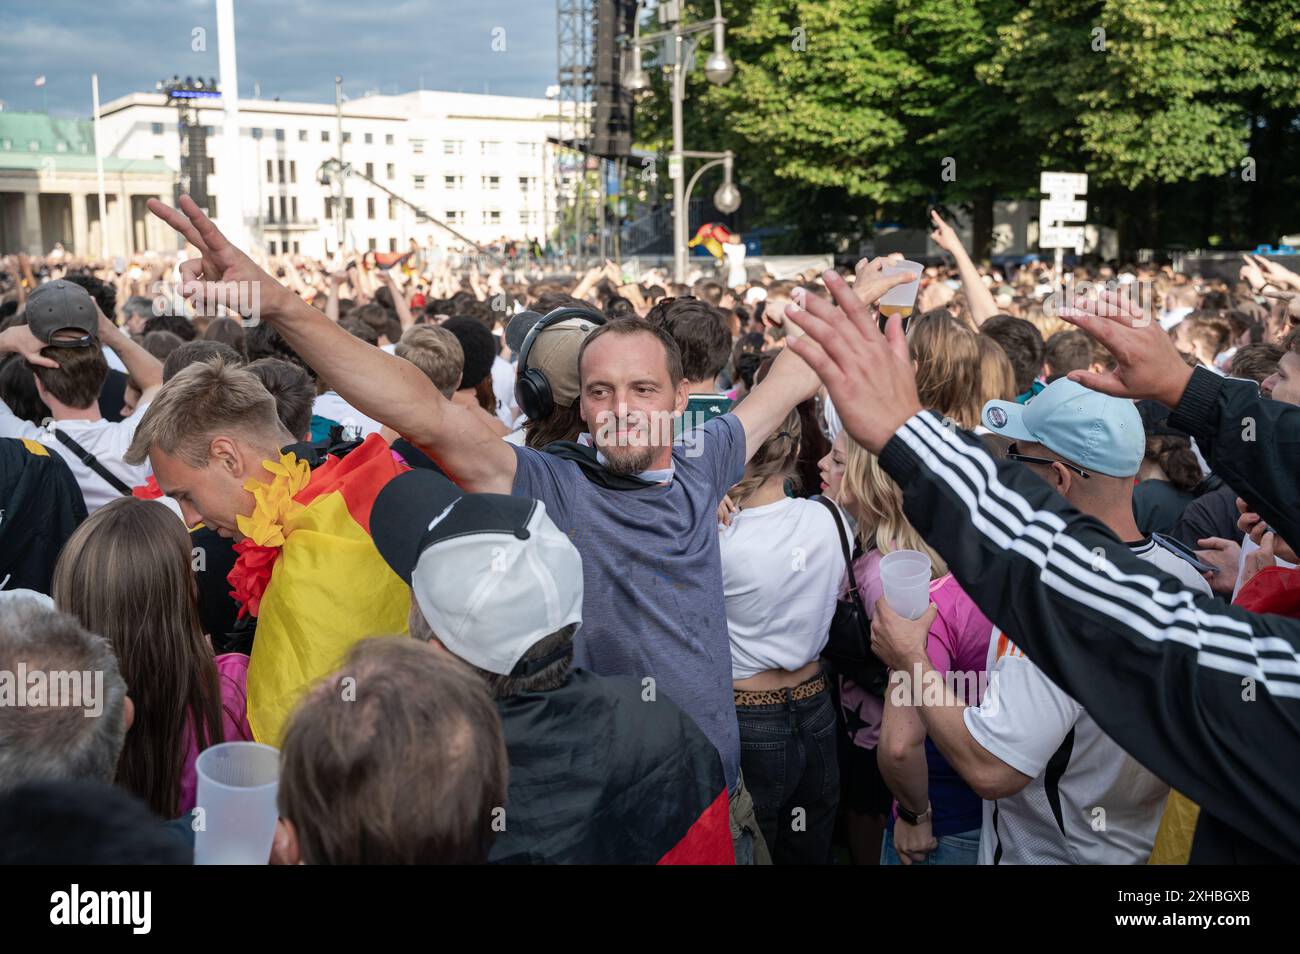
(1062, 210)
(1074, 183)
(674, 167)
(1061, 207)
(1060, 236)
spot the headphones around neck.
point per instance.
(532, 389)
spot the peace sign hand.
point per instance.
(222, 275)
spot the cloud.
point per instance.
(291, 49)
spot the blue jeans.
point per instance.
(963, 848)
(788, 758)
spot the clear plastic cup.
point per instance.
(238, 783)
(900, 299)
(905, 576)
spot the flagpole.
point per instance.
(99, 171)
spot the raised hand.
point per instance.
(1147, 363)
(223, 274)
(1292, 301)
(1252, 274)
(1274, 273)
(870, 375)
(944, 235)
(18, 339)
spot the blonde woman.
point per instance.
(947, 357)
(782, 561)
(887, 736)
(125, 574)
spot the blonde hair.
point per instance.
(435, 351)
(200, 401)
(997, 380)
(779, 454)
(947, 367)
(876, 502)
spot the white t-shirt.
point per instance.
(781, 573)
(1089, 801)
(735, 256)
(355, 424)
(503, 387)
(106, 440)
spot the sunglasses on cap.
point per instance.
(1013, 453)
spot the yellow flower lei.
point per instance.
(273, 502)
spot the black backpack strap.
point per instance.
(848, 555)
(91, 461)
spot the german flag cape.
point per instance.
(310, 573)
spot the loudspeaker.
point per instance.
(611, 128)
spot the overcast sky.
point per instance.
(290, 48)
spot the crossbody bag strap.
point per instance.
(848, 555)
(91, 461)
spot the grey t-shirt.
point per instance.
(652, 574)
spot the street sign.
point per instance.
(674, 167)
(1063, 183)
(1062, 210)
(1060, 236)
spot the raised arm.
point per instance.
(400, 303)
(382, 386)
(145, 370)
(982, 305)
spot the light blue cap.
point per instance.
(1094, 430)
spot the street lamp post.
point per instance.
(718, 69)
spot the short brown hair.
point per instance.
(1023, 344)
(79, 377)
(1067, 351)
(636, 326)
(435, 351)
(397, 758)
(201, 399)
(1256, 362)
(293, 391)
(701, 333)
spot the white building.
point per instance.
(479, 163)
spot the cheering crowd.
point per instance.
(531, 568)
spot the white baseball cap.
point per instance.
(491, 573)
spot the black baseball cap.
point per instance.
(518, 329)
(63, 306)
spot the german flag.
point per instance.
(310, 573)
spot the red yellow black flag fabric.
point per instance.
(310, 573)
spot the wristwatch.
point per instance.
(912, 818)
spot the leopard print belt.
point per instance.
(779, 697)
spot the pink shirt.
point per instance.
(959, 641)
(959, 636)
(232, 676)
